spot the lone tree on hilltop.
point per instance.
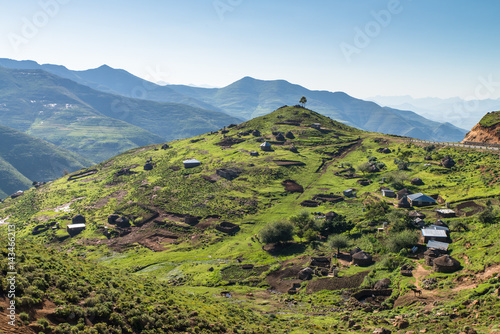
(303, 101)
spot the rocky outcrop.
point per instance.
(488, 134)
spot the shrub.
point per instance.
(401, 240)
(280, 231)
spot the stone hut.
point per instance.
(355, 250)
(402, 193)
(430, 255)
(280, 137)
(78, 219)
(265, 146)
(445, 264)
(290, 135)
(416, 181)
(383, 284)
(256, 133)
(362, 259)
(417, 214)
(403, 202)
(447, 162)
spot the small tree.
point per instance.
(277, 232)
(364, 168)
(399, 220)
(336, 225)
(303, 101)
(401, 240)
(488, 216)
(338, 241)
(303, 222)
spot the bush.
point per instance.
(401, 240)
(44, 323)
(280, 231)
(336, 225)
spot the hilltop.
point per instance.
(24, 159)
(249, 97)
(198, 227)
(487, 130)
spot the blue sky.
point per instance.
(364, 48)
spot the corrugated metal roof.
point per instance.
(437, 227)
(433, 233)
(419, 197)
(191, 161)
(437, 245)
(70, 226)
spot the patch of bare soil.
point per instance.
(282, 280)
(153, 238)
(336, 283)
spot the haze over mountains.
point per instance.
(248, 98)
(460, 112)
(92, 123)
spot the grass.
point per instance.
(205, 261)
(490, 119)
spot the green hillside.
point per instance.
(490, 119)
(24, 159)
(179, 235)
(91, 123)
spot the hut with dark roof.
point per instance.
(280, 137)
(445, 264)
(290, 135)
(403, 202)
(362, 259)
(402, 193)
(416, 181)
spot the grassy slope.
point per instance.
(24, 158)
(257, 197)
(490, 119)
(94, 124)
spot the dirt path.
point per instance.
(328, 164)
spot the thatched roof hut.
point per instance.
(402, 193)
(290, 135)
(430, 255)
(416, 214)
(445, 264)
(362, 259)
(256, 133)
(355, 250)
(265, 146)
(447, 162)
(403, 202)
(280, 137)
(383, 284)
(416, 181)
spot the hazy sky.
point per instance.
(421, 48)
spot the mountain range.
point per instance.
(94, 124)
(249, 97)
(459, 112)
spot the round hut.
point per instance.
(447, 162)
(290, 135)
(355, 250)
(362, 259)
(280, 137)
(439, 222)
(430, 255)
(416, 181)
(445, 264)
(383, 284)
(417, 214)
(404, 203)
(256, 133)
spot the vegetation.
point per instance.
(490, 119)
(195, 253)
